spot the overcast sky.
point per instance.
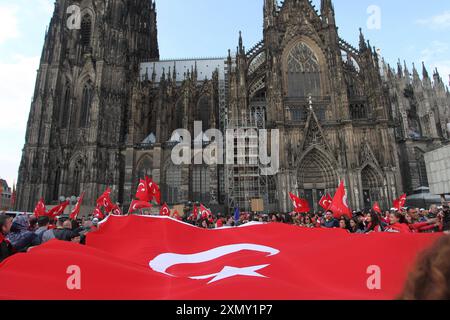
(414, 31)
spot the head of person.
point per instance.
(95, 222)
(373, 219)
(33, 222)
(75, 237)
(308, 220)
(5, 224)
(43, 222)
(60, 223)
(343, 224)
(411, 217)
(67, 225)
(430, 279)
(20, 224)
(205, 224)
(329, 215)
(353, 223)
(396, 217)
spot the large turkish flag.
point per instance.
(159, 258)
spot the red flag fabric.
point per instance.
(400, 202)
(40, 209)
(326, 201)
(258, 261)
(98, 213)
(204, 212)
(143, 193)
(137, 205)
(58, 210)
(154, 191)
(76, 210)
(117, 210)
(195, 213)
(165, 210)
(376, 207)
(300, 205)
(105, 201)
(339, 205)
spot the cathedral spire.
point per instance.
(362, 41)
(327, 11)
(425, 71)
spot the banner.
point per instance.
(159, 258)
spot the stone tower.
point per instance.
(77, 123)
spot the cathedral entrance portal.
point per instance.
(316, 177)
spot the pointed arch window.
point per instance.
(86, 103)
(86, 30)
(65, 109)
(303, 72)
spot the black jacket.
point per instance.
(6, 249)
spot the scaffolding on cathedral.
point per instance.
(243, 179)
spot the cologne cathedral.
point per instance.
(106, 105)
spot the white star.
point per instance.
(228, 272)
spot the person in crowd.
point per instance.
(373, 223)
(62, 232)
(430, 279)
(20, 237)
(446, 218)
(354, 225)
(33, 223)
(344, 224)
(330, 221)
(309, 222)
(6, 249)
(397, 223)
(43, 224)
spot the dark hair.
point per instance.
(43, 221)
(399, 216)
(376, 221)
(3, 219)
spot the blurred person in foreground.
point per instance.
(430, 279)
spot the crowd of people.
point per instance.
(435, 219)
(25, 232)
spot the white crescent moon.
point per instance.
(167, 260)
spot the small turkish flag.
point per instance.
(98, 213)
(165, 210)
(153, 190)
(40, 209)
(138, 205)
(58, 210)
(76, 211)
(204, 212)
(300, 205)
(105, 201)
(195, 213)
(339, 205)
(326, 201)
(400, 202)
(143, 192)
(376, 207)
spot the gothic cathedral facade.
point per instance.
(105, 108)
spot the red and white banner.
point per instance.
(400, 202)
(137, 257)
